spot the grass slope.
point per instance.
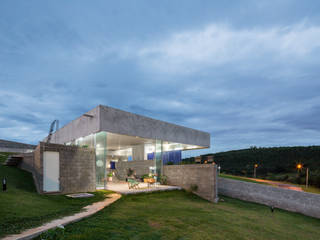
(275, 163)
(180, 215)
(21, 207)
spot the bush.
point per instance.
(317, 181)
(193, 187)
(145, 176)
(163, 180)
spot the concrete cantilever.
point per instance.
(103, 118)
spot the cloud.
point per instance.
(247, 80)
(216, 45)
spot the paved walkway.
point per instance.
(89, 210)
(122, 188)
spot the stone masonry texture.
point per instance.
(77, 167)
(204, 176)
(291, 200)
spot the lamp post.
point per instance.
(299, 167)
(255, 170)
(4, 184)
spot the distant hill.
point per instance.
(272, 162)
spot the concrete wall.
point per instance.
(118, 121)
(204, 176)
(302, 202)
(80, 127)
(140, 167)
(77, 167)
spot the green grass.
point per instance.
(181, 215)
(245, 179)
(21, 207)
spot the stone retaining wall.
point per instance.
(291, 200)
(77, 167)
(204, 176)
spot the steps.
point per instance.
(13, 160)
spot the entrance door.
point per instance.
(51, 164)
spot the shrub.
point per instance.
(194, 187)
(163, 180)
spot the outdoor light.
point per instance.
(299, 167)
(255, 170)
(4, 184)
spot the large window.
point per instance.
(101, 157)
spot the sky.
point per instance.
(245, 71)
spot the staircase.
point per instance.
(117, 177)
(13, 160)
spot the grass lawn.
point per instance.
(181, 215)
(21, 207)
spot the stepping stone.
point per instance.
(80, 195)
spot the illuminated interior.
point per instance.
(112, 148)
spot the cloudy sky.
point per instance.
(245, 71)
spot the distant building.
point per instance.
(15, 147)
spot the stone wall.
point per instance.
(302, 202)
(140, 167)
(28, 162)
(77, 167)
(204, 176)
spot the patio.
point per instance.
(123, 188)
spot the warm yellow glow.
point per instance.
(256, 165)
(299, 166)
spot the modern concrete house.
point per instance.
(123, 140)
(109, 143)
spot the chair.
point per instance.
(151, 181)
(133, 184)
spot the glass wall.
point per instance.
(158, 159)
(112, 148)
(101, 157)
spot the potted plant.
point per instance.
(145, 176)
(110, 177)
